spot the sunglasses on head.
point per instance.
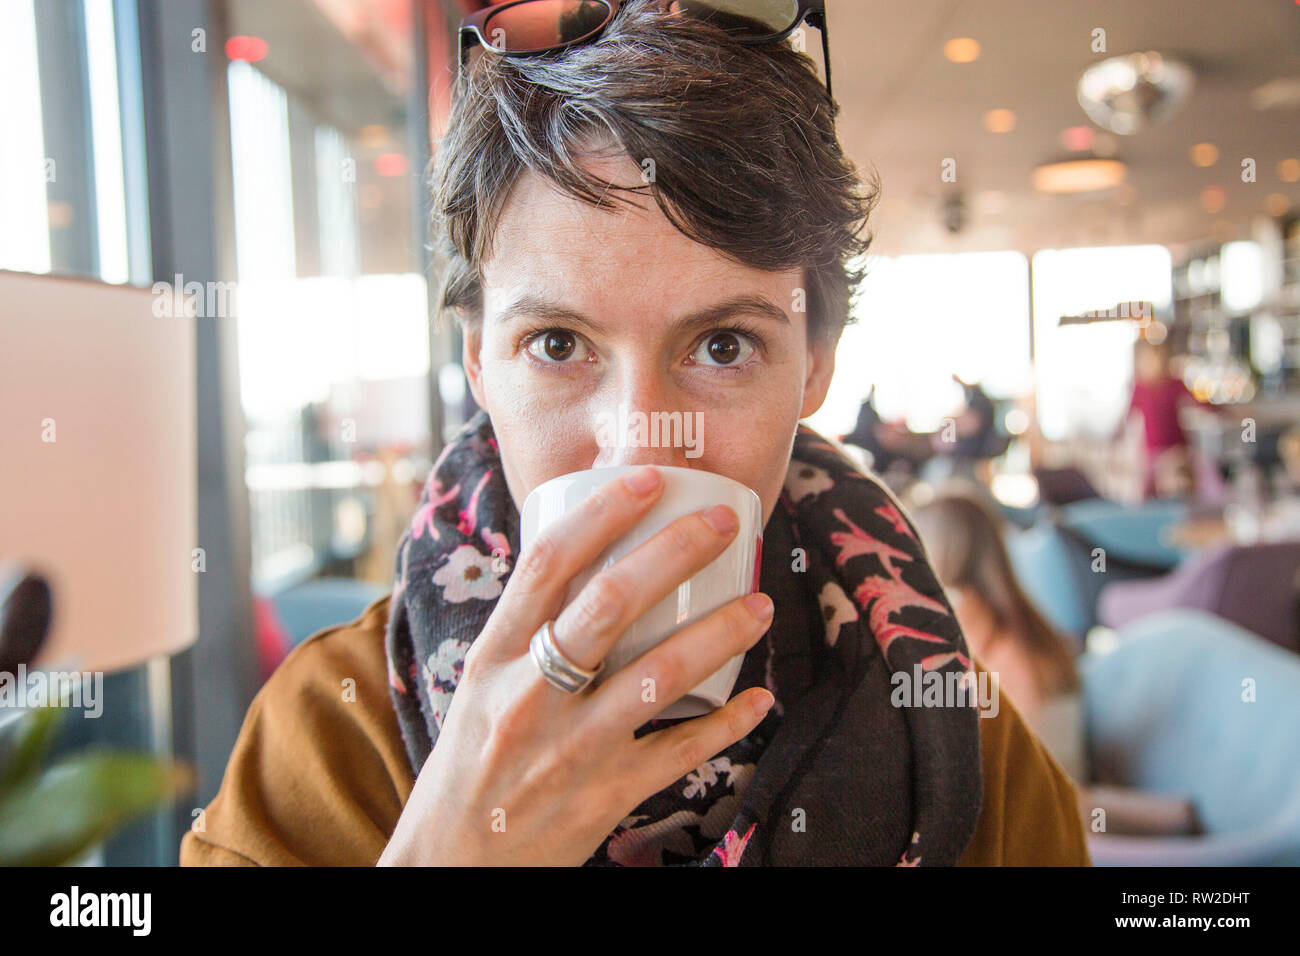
(527, 27)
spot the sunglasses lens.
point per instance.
(747, 18)
(544, 24)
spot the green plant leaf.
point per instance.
(32, 738)
(79, 802)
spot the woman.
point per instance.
(1034, 663)
(660, 218)
(1157, 398)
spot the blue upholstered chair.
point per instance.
(323, 602)
(1054, 559)
(1165, 714)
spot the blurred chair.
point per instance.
(323, 602)
(1063, 486)
(1255, 586)
(1165, 714)
(1055, 558)
(1131, 534)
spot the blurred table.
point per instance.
(1279, 521)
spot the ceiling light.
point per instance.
(1205, 154)
(1125, 94)
(1277, 205)
(248, 49)
(1213, 198)
(1079, 175)
(999, 121)
(1289, 170)
(1280, 94)
(1078, 139)
(962, 50)
(374, 136)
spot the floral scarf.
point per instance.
(836, 773)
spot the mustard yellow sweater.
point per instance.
(318, 779)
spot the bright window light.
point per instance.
(1083, 372)
(920, 320)
(106, 127)
(1241, 274)
(24, 220)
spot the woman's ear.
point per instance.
(470, 359)
(821, 367)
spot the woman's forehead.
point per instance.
(550, 245)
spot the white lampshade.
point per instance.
(98, 488)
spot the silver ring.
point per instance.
(558, 670)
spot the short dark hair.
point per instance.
(741, 138)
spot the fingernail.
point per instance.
(764, 703)
(721, 518)
(760, 605)
(643, 480)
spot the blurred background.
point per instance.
(1082, 309)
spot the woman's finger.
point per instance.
(665, 673)
(660, 759)
(618, 595)
(541, 577)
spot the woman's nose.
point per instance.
(645, 426)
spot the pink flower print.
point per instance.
(837, 610)
(888, 596)
(394, 680)
(935, 661)
(431, 483)
(469, 515)
(441, 675)
(496, 541)
(857, 542)
(803, 479)
(707, 774)
(733, 846)
(903, 860)
(892, 515)
(424, 514)
(468, 573)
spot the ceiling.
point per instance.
(906, 108)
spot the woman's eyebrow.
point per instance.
(757, 305)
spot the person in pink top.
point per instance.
(1157, 397)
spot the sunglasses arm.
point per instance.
(818, 19)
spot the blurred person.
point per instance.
(1157, 397)
(892, 448)
(975, 423)
(1034, 662)
(681, 298)
(1008, 634)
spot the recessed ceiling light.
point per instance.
(1079, 175)
(1213, 198)
(999, 121)
(1277, 205)
(1126, 94)
(1205, 154)
(1280, 94)
(1289, 169)
(1078, 139)
(962, 50)
(374, 136)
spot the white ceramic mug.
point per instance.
(734, 573)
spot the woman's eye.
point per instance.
(556, 345)
(723, 349)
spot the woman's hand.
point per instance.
(526, 774)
